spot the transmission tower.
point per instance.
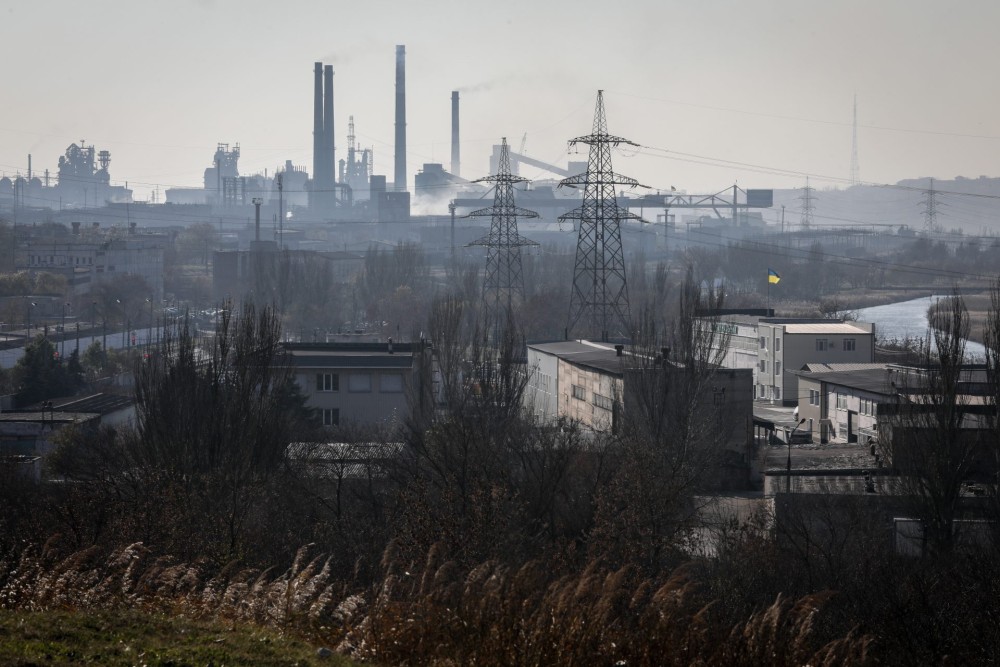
(855, 167)
(808, 200)
(599, 299)
(930, 206)
(503, 283)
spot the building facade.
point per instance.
(88, 263)
(361, 384)
(774, 348)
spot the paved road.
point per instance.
(115, 340)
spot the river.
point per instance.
(909, 319)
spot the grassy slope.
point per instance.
(128, 638)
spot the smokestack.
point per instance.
(329, 166)
(318, 125)
(399, 178)
(455, 154)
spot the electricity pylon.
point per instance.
(599, 299)
(503, 284)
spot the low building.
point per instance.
(598, 386)
(87, 262)
(362, 384)
(576, 380)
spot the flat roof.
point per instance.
(874, 380)
(821, 367)
(831, 328)
(598, 356)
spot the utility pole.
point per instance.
(503, 282)
(600, 289)
(281, 211)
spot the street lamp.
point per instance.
(31, 304)
(62, 342)
(788, 470)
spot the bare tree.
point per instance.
(672, 436)
(934, 433)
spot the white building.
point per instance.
(776, 347)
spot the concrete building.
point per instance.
(839, 402)
(595, 385)
(854, 403)
(776, 347)
(363, 384)
(787, 345)
(576, 380)
(87, 263)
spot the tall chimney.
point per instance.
(329, 167)
(399, 178)
(318, 126)
(455, 153)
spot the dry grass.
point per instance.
(433, 613)
(436, 613)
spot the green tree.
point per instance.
(39, 374)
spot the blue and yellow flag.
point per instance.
(772, 276)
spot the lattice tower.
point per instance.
(503, 284)
(808, 200)
(599, 299)
(930, 206)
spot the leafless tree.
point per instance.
(935, 431)
(672, 436)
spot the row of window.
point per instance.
(764, 365)
(824, 344)
(763, 392)
(599, 400)
(868, 406)
(39, 259)
(777, 343)
(388, 383)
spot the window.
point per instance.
(359, 382)
(718, 395)
(777, 345)
(763, 343)
(331, 417)
(763, 365)
(777, 393)
(391, 383)
(327, 382)
(821, 345)
(603, 402)
(579, 393)
(813, 397)
(841, 401)
(850, 344)
(777, 368)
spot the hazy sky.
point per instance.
(766, 84)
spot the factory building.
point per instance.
(87, 261)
